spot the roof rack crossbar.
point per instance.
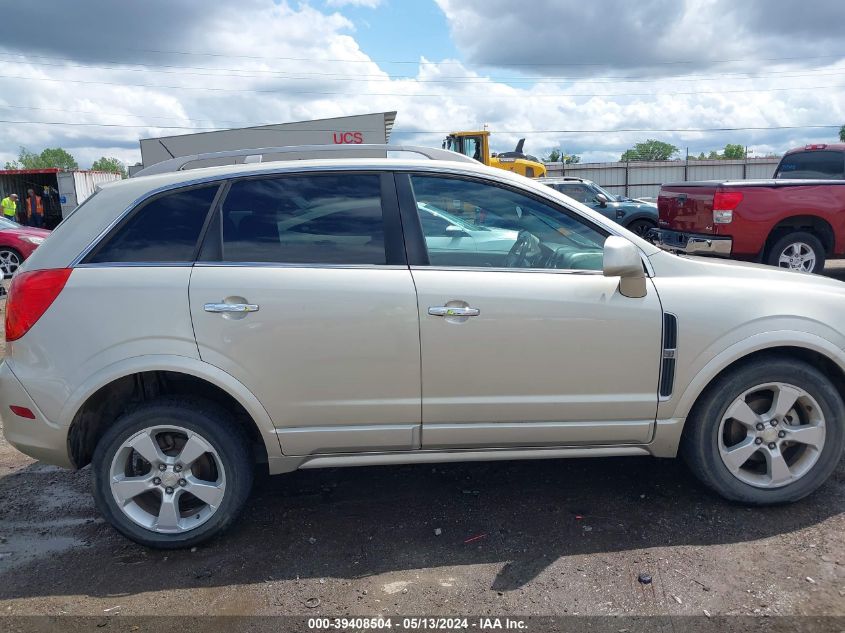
(179, 163)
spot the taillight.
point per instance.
(816, 146)
(30, 294)
(724, 203)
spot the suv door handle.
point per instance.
(453, 311)
(230, 307)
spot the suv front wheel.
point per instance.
(172, 473)
(768, 432)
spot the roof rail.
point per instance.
(179, 163)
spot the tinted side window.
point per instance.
(320, 219)
(501, 228)
(813, 164)
(165, 229)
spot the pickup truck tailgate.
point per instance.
(686, 209)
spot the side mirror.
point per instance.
(622, 259)
(455, 231)
(602, 199)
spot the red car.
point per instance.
(796, 220)
(17, 243)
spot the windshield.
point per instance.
(8, 224)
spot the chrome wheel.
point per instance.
(10, 261)
(771, 435)
(167, 479)
(798, 256)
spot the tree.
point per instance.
(842, 134)
(110, 164)
(553, 157)
(650, 150)
(733, 152)
(556, 156)
(52, 157)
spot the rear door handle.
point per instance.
(453, 311)
(231, 307)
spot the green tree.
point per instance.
(52, 157)
(842, 134)
(650, 150)
(556, 156)
(110, 164)
(733, 152)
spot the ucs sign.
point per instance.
(348, 138)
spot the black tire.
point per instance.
(799, 237)
(641, 227)
(699, 444)
(215, 426)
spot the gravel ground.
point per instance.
(527, 538)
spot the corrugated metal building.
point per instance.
(347, 130)
(639, 179)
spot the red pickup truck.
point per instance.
(796, 220)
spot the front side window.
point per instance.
(166, 229)
(493, 227)
(316, 219)
(824, 165)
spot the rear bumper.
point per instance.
(38, 438)
(694, 243)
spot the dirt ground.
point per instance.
(527, 538)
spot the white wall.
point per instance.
(643, 178)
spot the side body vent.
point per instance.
(670, 349)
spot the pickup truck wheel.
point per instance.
(172, 473)
(799, 251)
(769, 432)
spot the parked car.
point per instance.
(17, 243)
(795, 221)
(638, 216)
(291, 314)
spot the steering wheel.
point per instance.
(518, 255)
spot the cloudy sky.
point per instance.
(95, 76)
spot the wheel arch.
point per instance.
(803, 346)
(813, 224)
(117, 389)
(629, 220)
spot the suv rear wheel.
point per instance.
(172, 473)
(768, 432)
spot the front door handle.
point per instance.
(237, 308)
(453, 311)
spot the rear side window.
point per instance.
(824, 165)
(314, 219)
(166, 229)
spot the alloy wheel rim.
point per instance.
(798, 256)
(771, 435)
(167, 479)
(9, 262)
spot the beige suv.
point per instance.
(182, 327)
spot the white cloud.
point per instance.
(275, 62)
(369, 4)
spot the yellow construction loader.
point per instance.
(477, 145)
